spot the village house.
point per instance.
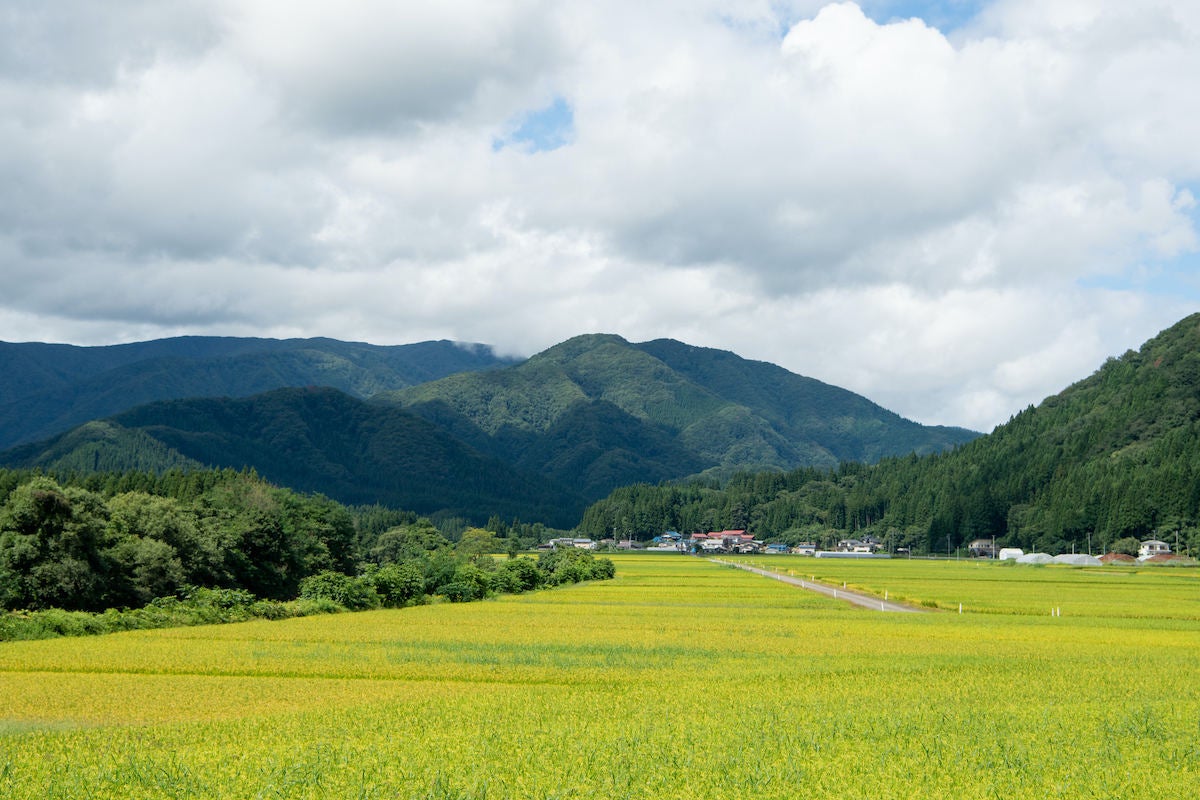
(566, 541)
(1151, 548)
(982, 548)
(724, 542)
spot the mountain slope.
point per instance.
(849, 426)
(1114, 456)
(315, 440)
(51, 388)
(719, 412)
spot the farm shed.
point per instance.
(1077, 560)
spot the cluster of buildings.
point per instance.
(567, 541)
(724, 542)
(738, 541)
(1149, 550)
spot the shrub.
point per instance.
(356, 594)
(518, 575)
(471, 575)
(398, 584)
(569, 565)
(458, 592)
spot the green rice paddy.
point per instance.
(681, 678)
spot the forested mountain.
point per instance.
(316, 440)
(592, 414)
(1115, 455)
(597, 412)
(48, 388)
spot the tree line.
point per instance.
(95, 542)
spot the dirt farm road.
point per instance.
(857, 598)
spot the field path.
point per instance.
(857, 598)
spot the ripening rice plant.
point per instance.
(981, 586)
(679, 679)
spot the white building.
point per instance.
(1153, 547)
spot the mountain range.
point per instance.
(50, 388)
(447, 429)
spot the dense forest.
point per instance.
(1114, 456)
(313, 439)
(50, 388)
(597, 412)
(99, 541)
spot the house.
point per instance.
(776, 548)
(1151, 548)
(805, 549)
(982, 548)
(579, 544)
(724, 541)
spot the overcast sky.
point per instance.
(953, 207)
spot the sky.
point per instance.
(955, 208)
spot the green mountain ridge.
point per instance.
(51, 388)
(727, 413)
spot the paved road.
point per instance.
(858, 599)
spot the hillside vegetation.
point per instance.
(48, 389)
(598, 412)
(1116, 455)
(312, 440)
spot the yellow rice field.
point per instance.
(981, 586)
(678, 679)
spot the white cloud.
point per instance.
(377, 66)
(910, 214)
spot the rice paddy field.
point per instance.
(681, 678)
